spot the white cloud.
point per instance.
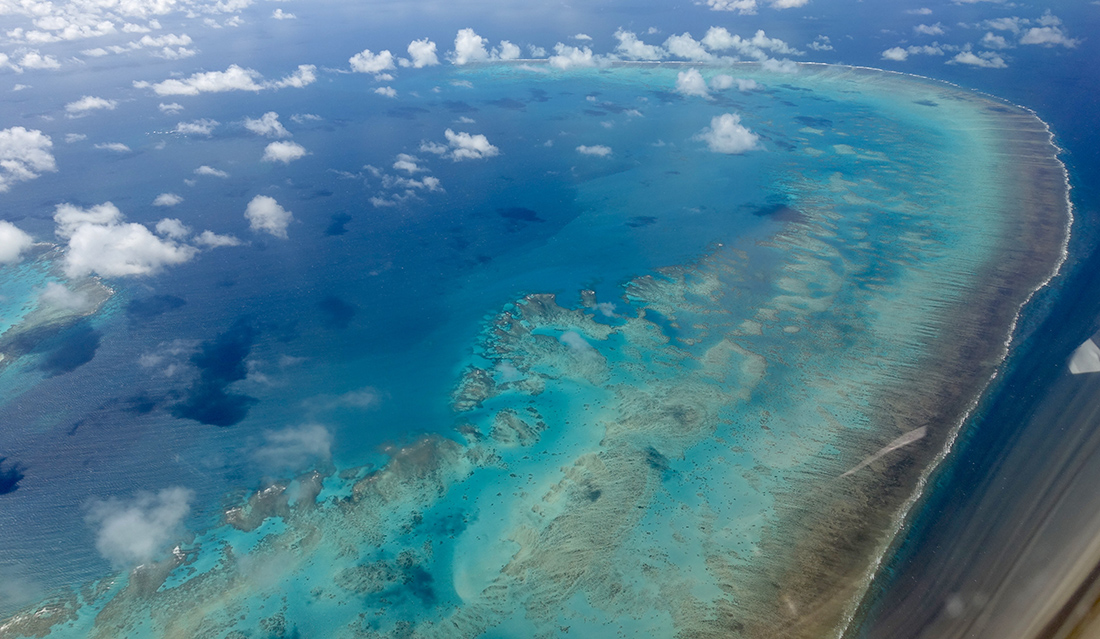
(726, 134)
(89, 103)
(469, 47)
(469, 147)
(303, 76)
(821, 43)
(117, 147)
(576, 342)
(295, 448)
(388, 92)
(211, 171)
(597, 150)
(197, 127)
(691, 82)
(24, 155)
(685, 46)
(75, 137)
(234, 78)
(265, 215)
(992, 41)
(923, 11)
(508, 51)
(567, 57)
(631, 48)
(171, 108)
(744, 7)
(167, 199)
(1011, 23)
(1048, 37)
(100, 242)
(748, 7)
(173, 228)
(210, 239)
(897, 54)
(58, 296)
(926, 29)
(279, 14)
(35, 60)
(434, 148)
(367, 62)
(300, 118)
(13, 241)
(422, 54)
(267, 125)
(719, 39)
(985, 60)
(583, 36)
(285, 152)
(139, 530)
(407, 163)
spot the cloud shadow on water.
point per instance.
(336, 313)
(221, 361)
(69, 350)
(10, 476)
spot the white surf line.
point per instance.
(914, 435)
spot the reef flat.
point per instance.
(724, 449)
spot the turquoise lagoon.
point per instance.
(662, 391)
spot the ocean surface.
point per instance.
(604, 378)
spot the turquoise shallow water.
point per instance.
(613, 393)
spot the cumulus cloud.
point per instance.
(279, 14)
(929, 29)
(210, 239)
(758, 47)
(993, 41)
(1048, 36)
(267, 125)
(89, 103)
(367, 62)
(117, 147)
(821, 43)
(295, 448)
(631, 48)
(598, 150)
(749, 7)
(726, 134)
(305, 75)
(465, 146)
(173, 228)
(407, 163)
(421, 54)
(35, 60)
(138, 530)
(171, 108)
(899, 54)
(687, 47)
(101, 242)
(24, 155)
(469, 47)
(985, 60)
(568, 57)
(691, 82)
(197, 127)
(211, 171)
(167, 199)
(13, 241)
(264, 215)
(58, 296)
(388, 92)
(285, 152)
(234, 78)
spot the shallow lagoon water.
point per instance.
(670, 463)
